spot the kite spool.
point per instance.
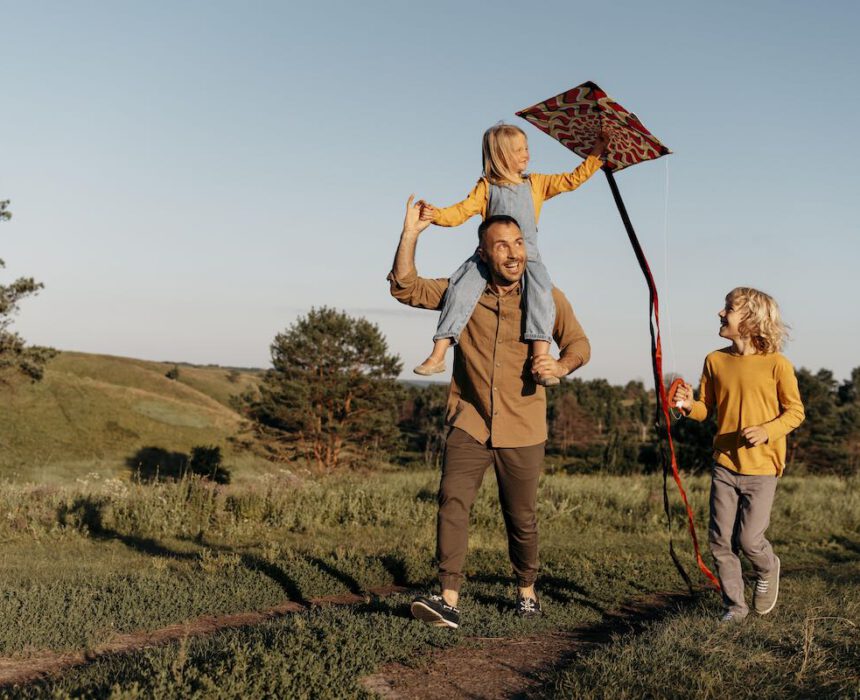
(672, 393)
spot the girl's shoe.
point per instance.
(548, 380)
(425, 369)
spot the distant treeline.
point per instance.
(332, 399)
(596, 426)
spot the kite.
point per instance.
(576, 119)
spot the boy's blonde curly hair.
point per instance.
(762, 321)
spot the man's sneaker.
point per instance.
(766, 591)
(730, 616)
(433, 610)
(528, 607)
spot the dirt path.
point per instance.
(497, 668)
(511, 668)
(16, 671)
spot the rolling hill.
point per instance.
(99, 413)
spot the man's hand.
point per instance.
(404, 258)
(755, 435)
(413, 223)
(543, 365)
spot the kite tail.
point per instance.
(662, 410)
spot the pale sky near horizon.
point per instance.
(187, 178)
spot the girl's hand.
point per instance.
(755, 435)
(599, 147)
(428, 211)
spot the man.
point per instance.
(496, 411)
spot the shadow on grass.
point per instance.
(554, 588)
(86, 513)
(396, 567)
(852, 546)
(149, 464)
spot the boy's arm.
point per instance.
(406, 286)
(700, 409)
(789, 399)
(474, 204)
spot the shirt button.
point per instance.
(498, 364)
(495, 388)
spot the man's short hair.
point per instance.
(494, 219)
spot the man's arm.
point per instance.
(406, 286)
(572, 341)
(404, 258)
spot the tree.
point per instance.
(422, 421)
(331, 392)
(15, 355)
(820, 441)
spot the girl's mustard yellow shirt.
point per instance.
(543, 187)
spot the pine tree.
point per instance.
(15, 355)
(331, 393)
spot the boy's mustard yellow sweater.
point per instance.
(543, 188)
(749, 390)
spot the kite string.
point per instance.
(666, 295)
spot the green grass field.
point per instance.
(84, 563)
(95, 413)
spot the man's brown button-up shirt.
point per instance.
(493, 396)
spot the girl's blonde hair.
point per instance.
(496, 152)
(762, 321)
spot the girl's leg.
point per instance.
(435, 363)
(725, 495)
(464, 289)
(541, 347)
(540, 313)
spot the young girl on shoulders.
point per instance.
(504, 188)
(752, 388)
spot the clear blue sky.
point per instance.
(189, 177)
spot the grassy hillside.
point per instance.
(97, 413)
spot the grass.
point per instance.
(94, 413)
(810, 649)
(82, 563)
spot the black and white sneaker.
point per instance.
(528, 607)
(433, 610)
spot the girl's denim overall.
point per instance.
(470, 280)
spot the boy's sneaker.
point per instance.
(766, 591)
(730, 616)
(433, 610)
(528, 607)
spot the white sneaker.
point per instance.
(730, 616)
(766, 591)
